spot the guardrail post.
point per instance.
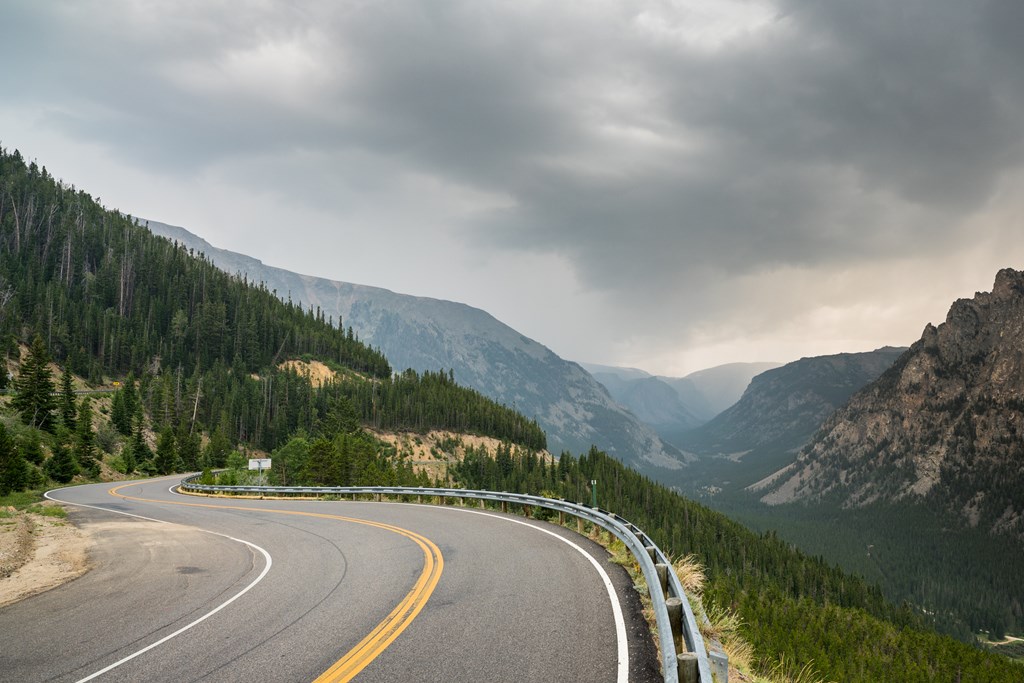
(662, 570)
(675, 618)
(504, 506)
(561, 518)
(528, 511)
(481, 501)
(579, 525)
(652, 552)
(687, 667)
(419, 499)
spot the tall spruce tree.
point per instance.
(33, 389)
(66, 400)
(166, 452)
(85, 439)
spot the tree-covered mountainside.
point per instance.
(794, 607)
(109, 300)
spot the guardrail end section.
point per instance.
(719, 662)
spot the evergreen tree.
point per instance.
(66, 400)
(13, 468)
(189, 446)
(128, 457)
(85, 439)
(33, 389)
(31, 447)
(166, 453)
(141, 452)
(120, 415)
(323, 465)
(216, 452)
(61, 467)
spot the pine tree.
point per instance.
(61, 467)
(189, 447)
(141, 452)
(120, 416)
(128, 457)
(85, 439)
(33, 389)
(67, 399)
(13, 468)
(31, 447)
(166, 453)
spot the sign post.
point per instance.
(259, 464)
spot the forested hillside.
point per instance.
(198, 352)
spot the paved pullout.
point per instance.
(300, 584)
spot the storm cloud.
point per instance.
(663, 184)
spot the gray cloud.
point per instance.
(665, 154)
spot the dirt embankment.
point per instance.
(38, 552)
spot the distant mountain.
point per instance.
(710, 391)
(483, 353)
(944, 425)
(651, 399)
(783, 407)
(676, 405)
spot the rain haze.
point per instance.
(663, 185)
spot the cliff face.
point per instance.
(946, 422)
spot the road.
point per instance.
(209, 589)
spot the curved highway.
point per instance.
(210, 589)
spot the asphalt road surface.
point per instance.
(187, 588)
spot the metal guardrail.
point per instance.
(678, 631)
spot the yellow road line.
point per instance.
(385, 633)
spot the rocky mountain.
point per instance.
(783, 407)
(483, 353)
(943, 425)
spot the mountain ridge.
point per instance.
(423, 333)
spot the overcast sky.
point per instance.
(667, 185)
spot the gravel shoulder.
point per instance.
(37, 553)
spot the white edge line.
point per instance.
(620, 623)
(266, 569)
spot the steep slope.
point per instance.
(943, 425)
(483, 353)
(783, 407)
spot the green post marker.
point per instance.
(593, 492)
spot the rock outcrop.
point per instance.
(946, 422)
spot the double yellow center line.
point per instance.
(360, 656)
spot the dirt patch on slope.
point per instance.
(38, 553)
